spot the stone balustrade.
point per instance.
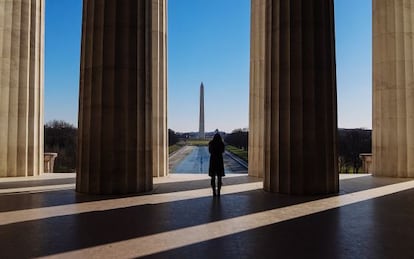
(49, 162)
(366, 162)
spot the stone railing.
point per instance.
(49, 159)
(366, 162)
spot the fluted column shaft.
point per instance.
(159, 82)
(115, 152)
(300, 97)
(21, 87)
(393, 88)
(256, 94)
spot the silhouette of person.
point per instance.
(216, 149)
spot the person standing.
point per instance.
(216, 169)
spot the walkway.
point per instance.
(196, 160)
(371, 218)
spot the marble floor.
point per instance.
(44, 217)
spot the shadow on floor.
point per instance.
(72, 232)
(379, 228)
(352, 231)
(21, 201)
(201, 184)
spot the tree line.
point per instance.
(238, 138)
(61, 138)
(352, 143)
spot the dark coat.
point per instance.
(216, 149)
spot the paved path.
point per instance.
(197, 162)
(179, 155)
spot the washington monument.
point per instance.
(201, 132)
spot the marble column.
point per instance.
(256, 95)
(21, 87)
(393, 88)
(159, 84)
(115, 153)
(300, 98)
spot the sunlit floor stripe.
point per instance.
(63, 210)
(178, 177)
(48, 176)
(186, 236)
(42, 188)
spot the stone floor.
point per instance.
(43, 217)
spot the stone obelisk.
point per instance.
(201, 132)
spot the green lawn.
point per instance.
(173, 148)
(192, 142)
(243, 154)
(197, 142)
(351, 170)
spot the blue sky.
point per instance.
(210, 44)
(62, 56)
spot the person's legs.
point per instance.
(219, 183)
(213, 184)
